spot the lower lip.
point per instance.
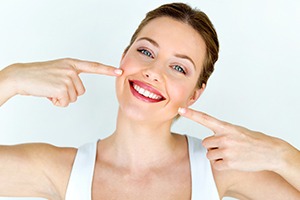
(142, 97)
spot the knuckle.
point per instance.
(226, 153)
(81, 91)
(65, 104)
(208, 155)
(220, 165)
(71, 72)
(67, 60)
(205, 143)
(225, 140)
(61, 91)
(67, 81)
(73, 99)
(60, 103)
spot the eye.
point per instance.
(179, 69)
(145, 52)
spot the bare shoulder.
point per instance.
(253, 185)
(43, 168)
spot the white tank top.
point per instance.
(203, 184)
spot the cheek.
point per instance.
(128, 64)
(129, 67)
(179, 93)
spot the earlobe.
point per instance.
(196, 94)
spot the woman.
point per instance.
(164, 70)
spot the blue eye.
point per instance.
(179, 69)
(146, 52)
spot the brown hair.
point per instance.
(199, 21)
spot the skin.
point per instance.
(58, 80)
(145, 160)
(137, 154)
(243, 160)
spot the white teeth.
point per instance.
(146, 93)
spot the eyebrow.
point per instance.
(176, 55)
(187, 58)
(149, 40)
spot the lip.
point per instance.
(147, 87)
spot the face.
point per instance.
(161, 69)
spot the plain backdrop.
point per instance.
(255, 83)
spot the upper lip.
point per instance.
(147, 86)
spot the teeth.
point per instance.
(146, 93)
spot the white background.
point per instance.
(255, 84)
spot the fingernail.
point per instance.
(181, 110)
(118, 71)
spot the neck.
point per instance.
(138, 144)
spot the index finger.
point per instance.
(96, 68)
(203, 119)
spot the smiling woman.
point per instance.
(160, 69)
(163, 71)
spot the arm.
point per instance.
(254, 159)
(289, 164)
(42, 170)
(254, 185)
(35, 170)
(6, 88)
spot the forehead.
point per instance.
(176, 37)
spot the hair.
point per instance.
(196, 19)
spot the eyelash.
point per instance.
(146, 52)
(178, 68)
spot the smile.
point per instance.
(145, 92)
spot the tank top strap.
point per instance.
(81, 178)
(203, 184)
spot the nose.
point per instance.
(153, 73)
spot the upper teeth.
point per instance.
(146, 93)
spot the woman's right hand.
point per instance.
(58, 80)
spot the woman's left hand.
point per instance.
(235, 147)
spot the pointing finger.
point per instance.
(95, 68)
(202, 118)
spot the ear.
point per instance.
(196, 94)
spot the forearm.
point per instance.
(6, 87)
(289, 166)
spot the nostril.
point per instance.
(153, 76)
